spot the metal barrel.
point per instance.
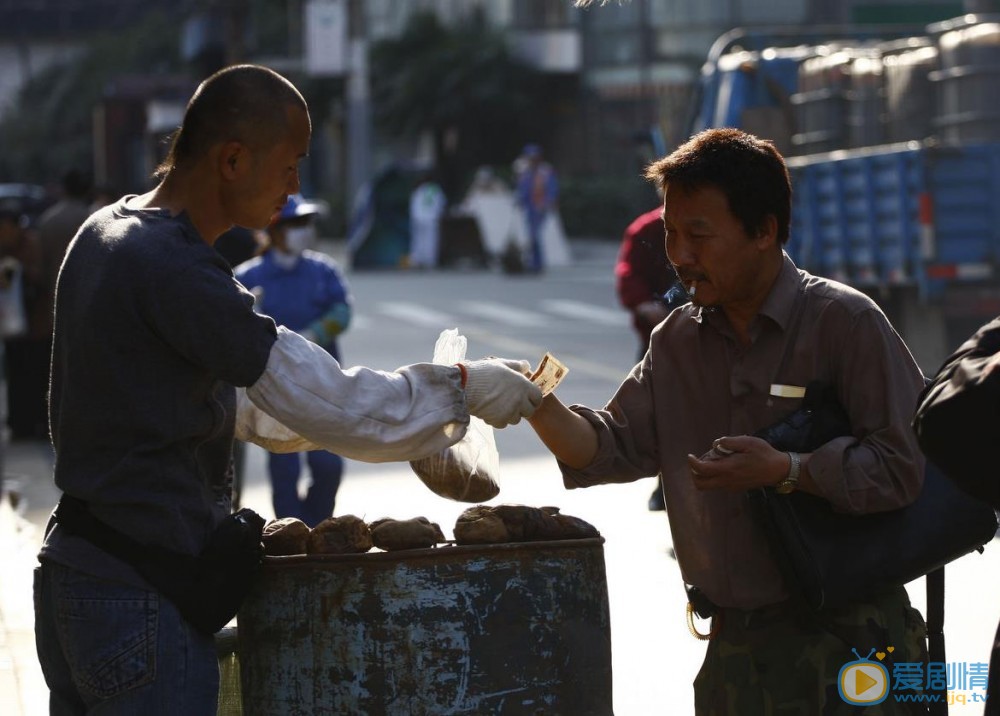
(821, 104)
(866, 100)
(968, 108)
(909, 93)
(518, 628)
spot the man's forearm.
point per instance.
(568, 435)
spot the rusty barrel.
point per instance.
(517, 628)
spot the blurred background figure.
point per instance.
(491, 203)
(26, 345)
(427, 205)
(305, 291)
(238, 245)
(56, 227)
(537, 195)
(644, 276)
(647, 286)
(102, 195)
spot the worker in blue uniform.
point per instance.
(305, 291)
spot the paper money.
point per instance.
(549, 373)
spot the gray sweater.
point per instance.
(151, 334)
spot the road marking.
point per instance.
(586, 311)
(504, 314)
(417, 314)
(514, 348)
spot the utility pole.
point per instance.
(359, 112)
(235, 28)
(647, 111)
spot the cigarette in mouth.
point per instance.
(692, 288)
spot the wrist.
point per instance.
(545, 408)
(317, 330)
(465, 373)
(790, 483)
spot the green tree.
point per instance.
(51, 127)
(462, 85)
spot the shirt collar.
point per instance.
(780, 301)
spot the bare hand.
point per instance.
(751, 462)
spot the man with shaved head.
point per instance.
(158, 361)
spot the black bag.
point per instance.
(834, 558)
(208, 589)
(511, 260)
(957, 420)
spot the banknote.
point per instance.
(549, 373)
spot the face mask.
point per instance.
(298, 239)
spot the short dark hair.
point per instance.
(749, 171)
(245, 103)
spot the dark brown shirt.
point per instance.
(697, 384)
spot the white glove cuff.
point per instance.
(475, 387)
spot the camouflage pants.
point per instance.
(784, 660)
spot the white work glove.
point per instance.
(497, 391)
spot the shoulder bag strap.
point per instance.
(935, 634)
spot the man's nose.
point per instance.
(680, 252)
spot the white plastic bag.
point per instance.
(466, 471)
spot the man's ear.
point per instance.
(233, 159)
(767, 233)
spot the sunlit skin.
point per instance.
(233, 184)
(260, 187)
(710, 249)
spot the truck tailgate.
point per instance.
(898, 214)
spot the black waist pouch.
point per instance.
(207, 589)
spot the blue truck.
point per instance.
(892, 137)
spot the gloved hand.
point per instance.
(497, 391)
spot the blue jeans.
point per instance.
(326, 469)
(107, 648)
(536, 222)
